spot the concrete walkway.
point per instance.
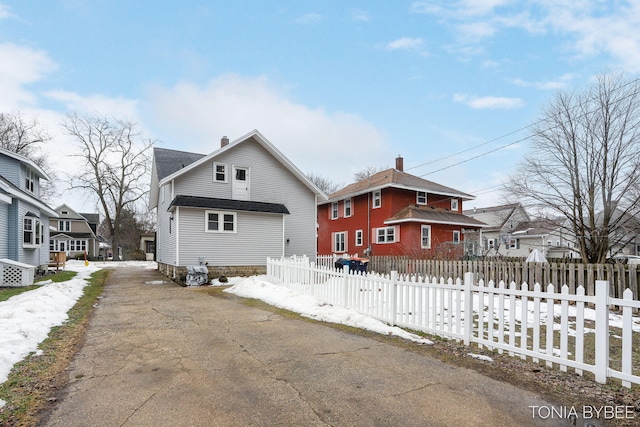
(157, 354)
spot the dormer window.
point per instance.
(454, 205)
(29, 180)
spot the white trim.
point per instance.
(215, 172)
(255, 134)
(5, 199)
(221, 221)
(422, 227)
(176, 220)
(424, 221)
(361, 233)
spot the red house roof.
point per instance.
(397, 179)
(429, 214)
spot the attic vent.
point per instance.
(64, 213)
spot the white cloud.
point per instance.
(360, 15)
(560, 83)
(5, 11)
(489, 102)
(310, 19)
(20, 66)
(405, 43)
(120, 108)
(332, 144)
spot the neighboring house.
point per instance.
(148, 245)
(497, 238)
(231, 209)
(74, 233)
(549, 236)
(395, 213)
(24, 217)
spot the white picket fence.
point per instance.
(514, 319)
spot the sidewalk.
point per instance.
(157, 354)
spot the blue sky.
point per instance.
(337, 86)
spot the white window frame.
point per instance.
(422, 229)
(456, 236)
(221, 221)
(30, 180)
(377, 199)
(340, 242)
(386, 235)
(421, 197)
(348, 209)
(224, 172)
(454, 205)
(359, 238)
(335, 213)
(64, 225)
(35, 230)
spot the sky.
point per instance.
(26, 319)
(337, 86)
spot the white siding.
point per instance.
(258, 236)
(4, 230)
(270, 182)
(166, 229)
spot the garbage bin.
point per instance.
(197, 275)
(340, 263)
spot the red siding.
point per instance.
(367, 219)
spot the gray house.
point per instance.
(231, 209)
(24, 218)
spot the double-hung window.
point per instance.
(386, 235)
(425, 235)
(220, 222)
(340, 242)
(334, 210)
(29, 180)
(64, 225)
(454, 205)
(347, 208)
(219, 172)
(359, 238)
(421, 197)
(456, 236)
(377, 198)
(32, 232)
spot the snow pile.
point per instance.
(260, 287)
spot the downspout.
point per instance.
(284, 238)
(177, 221)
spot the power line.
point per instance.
(542, 120)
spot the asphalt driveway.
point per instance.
(157, 354)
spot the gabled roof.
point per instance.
(228, 204)
(92, 218)
(495, 216)
(22, 159)
(537, 228)
(13, 191)
(170, 164)
(395, 179)
(170, 161)
(71, 214)
(431, 215)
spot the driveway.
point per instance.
(157, 354)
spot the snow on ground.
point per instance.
(27, 318)
(260, 287)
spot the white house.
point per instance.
(231, 209)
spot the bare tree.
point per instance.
(585, 165)
(367, 172)
(24, 137)
(116, 163)
(324, 184)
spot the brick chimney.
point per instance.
(224, 141)
(400, 163)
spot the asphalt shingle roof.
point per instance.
(170, 161)
(428, 214)
(395, 178)
(228, 204)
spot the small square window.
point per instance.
(421, 197)
(220, 172)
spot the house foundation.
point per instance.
(179, 273)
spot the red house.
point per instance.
(395, 213)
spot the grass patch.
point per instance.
(33, 383)
(62, 276)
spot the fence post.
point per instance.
(394, 293)
(345, 284)
(468, 307)
(602, 330)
